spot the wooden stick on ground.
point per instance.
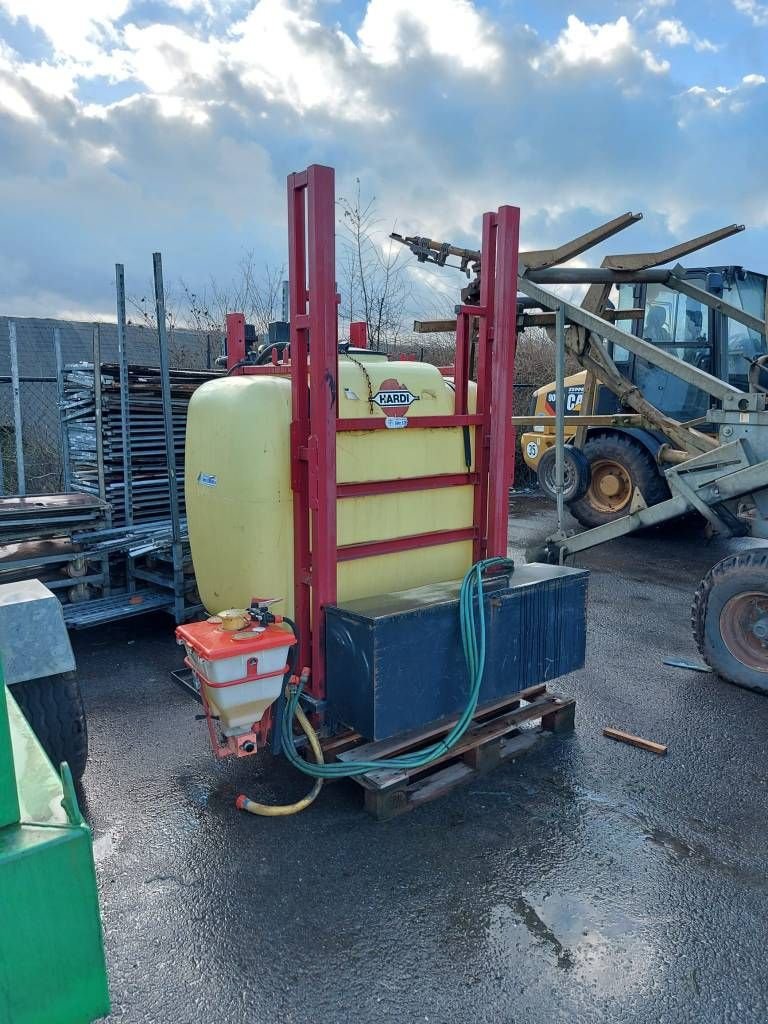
(635, 741)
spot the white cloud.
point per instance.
(732, 99)
(395, 29)
(610, 43)
(13, 102)
(672, 32)
(755, 11)
(76, 30)
(164, 57)
(210, 116)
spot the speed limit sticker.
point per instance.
(532, 449)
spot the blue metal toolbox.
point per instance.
(394, 662)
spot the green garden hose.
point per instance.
(472, 621)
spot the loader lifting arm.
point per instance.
(724, 477)
(583, 339)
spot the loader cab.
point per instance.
(623, 460)
(694, 333)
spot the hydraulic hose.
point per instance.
(472, 622)
(244, 803)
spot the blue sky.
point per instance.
(133, 125)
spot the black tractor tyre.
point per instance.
(53, 706)
(729, 618)
(619, 463)
(576, 473)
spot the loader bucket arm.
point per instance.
(538, 259)
(646, 260)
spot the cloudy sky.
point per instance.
(133, 125)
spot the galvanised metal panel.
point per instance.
(33, 636)
(395, 662)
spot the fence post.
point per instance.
(125, 412)
(65, 463)
(560, 413)
(99, 420)
(170, 446)
(21, 482)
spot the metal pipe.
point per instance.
(595, 275)
(674, 280)
(646, 350)
(21, 481)
(170, 448)
(125, 415)
(165, 388)
(99, 418)
(560, 413)
(65, 460)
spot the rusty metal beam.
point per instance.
(538, 259)
(645, 260)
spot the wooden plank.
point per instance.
(635, 741)
(404, 742)
(514, 746)
(391, 802)
(440, 783)
(475, 736)
(338, 744)
(434, 326)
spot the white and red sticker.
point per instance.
(394, 398)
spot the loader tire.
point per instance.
(729, 618)
(619, 466)
(53, 706)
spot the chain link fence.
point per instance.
(31, 460)
(40, 455)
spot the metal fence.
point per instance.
(33, 353)
(37, 449)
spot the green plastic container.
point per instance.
(52, 967)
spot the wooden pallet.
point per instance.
(495, 736)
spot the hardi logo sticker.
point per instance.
(394, 398)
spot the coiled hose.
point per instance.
(472, 623)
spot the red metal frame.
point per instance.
(313, 304)
(235, 339)
(358, 334)
(411, 483)
(236, 353)
(313, 316)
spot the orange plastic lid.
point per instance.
(212, 642)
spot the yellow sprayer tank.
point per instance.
(238, 485)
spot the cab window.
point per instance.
(680, 326)
(744, 344)
(678, 323)
(624, 298)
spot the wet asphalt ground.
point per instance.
(588, 881)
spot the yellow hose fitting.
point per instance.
(244, 803)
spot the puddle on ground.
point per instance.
(602, 945)
(540, 930)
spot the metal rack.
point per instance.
(115, 544)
